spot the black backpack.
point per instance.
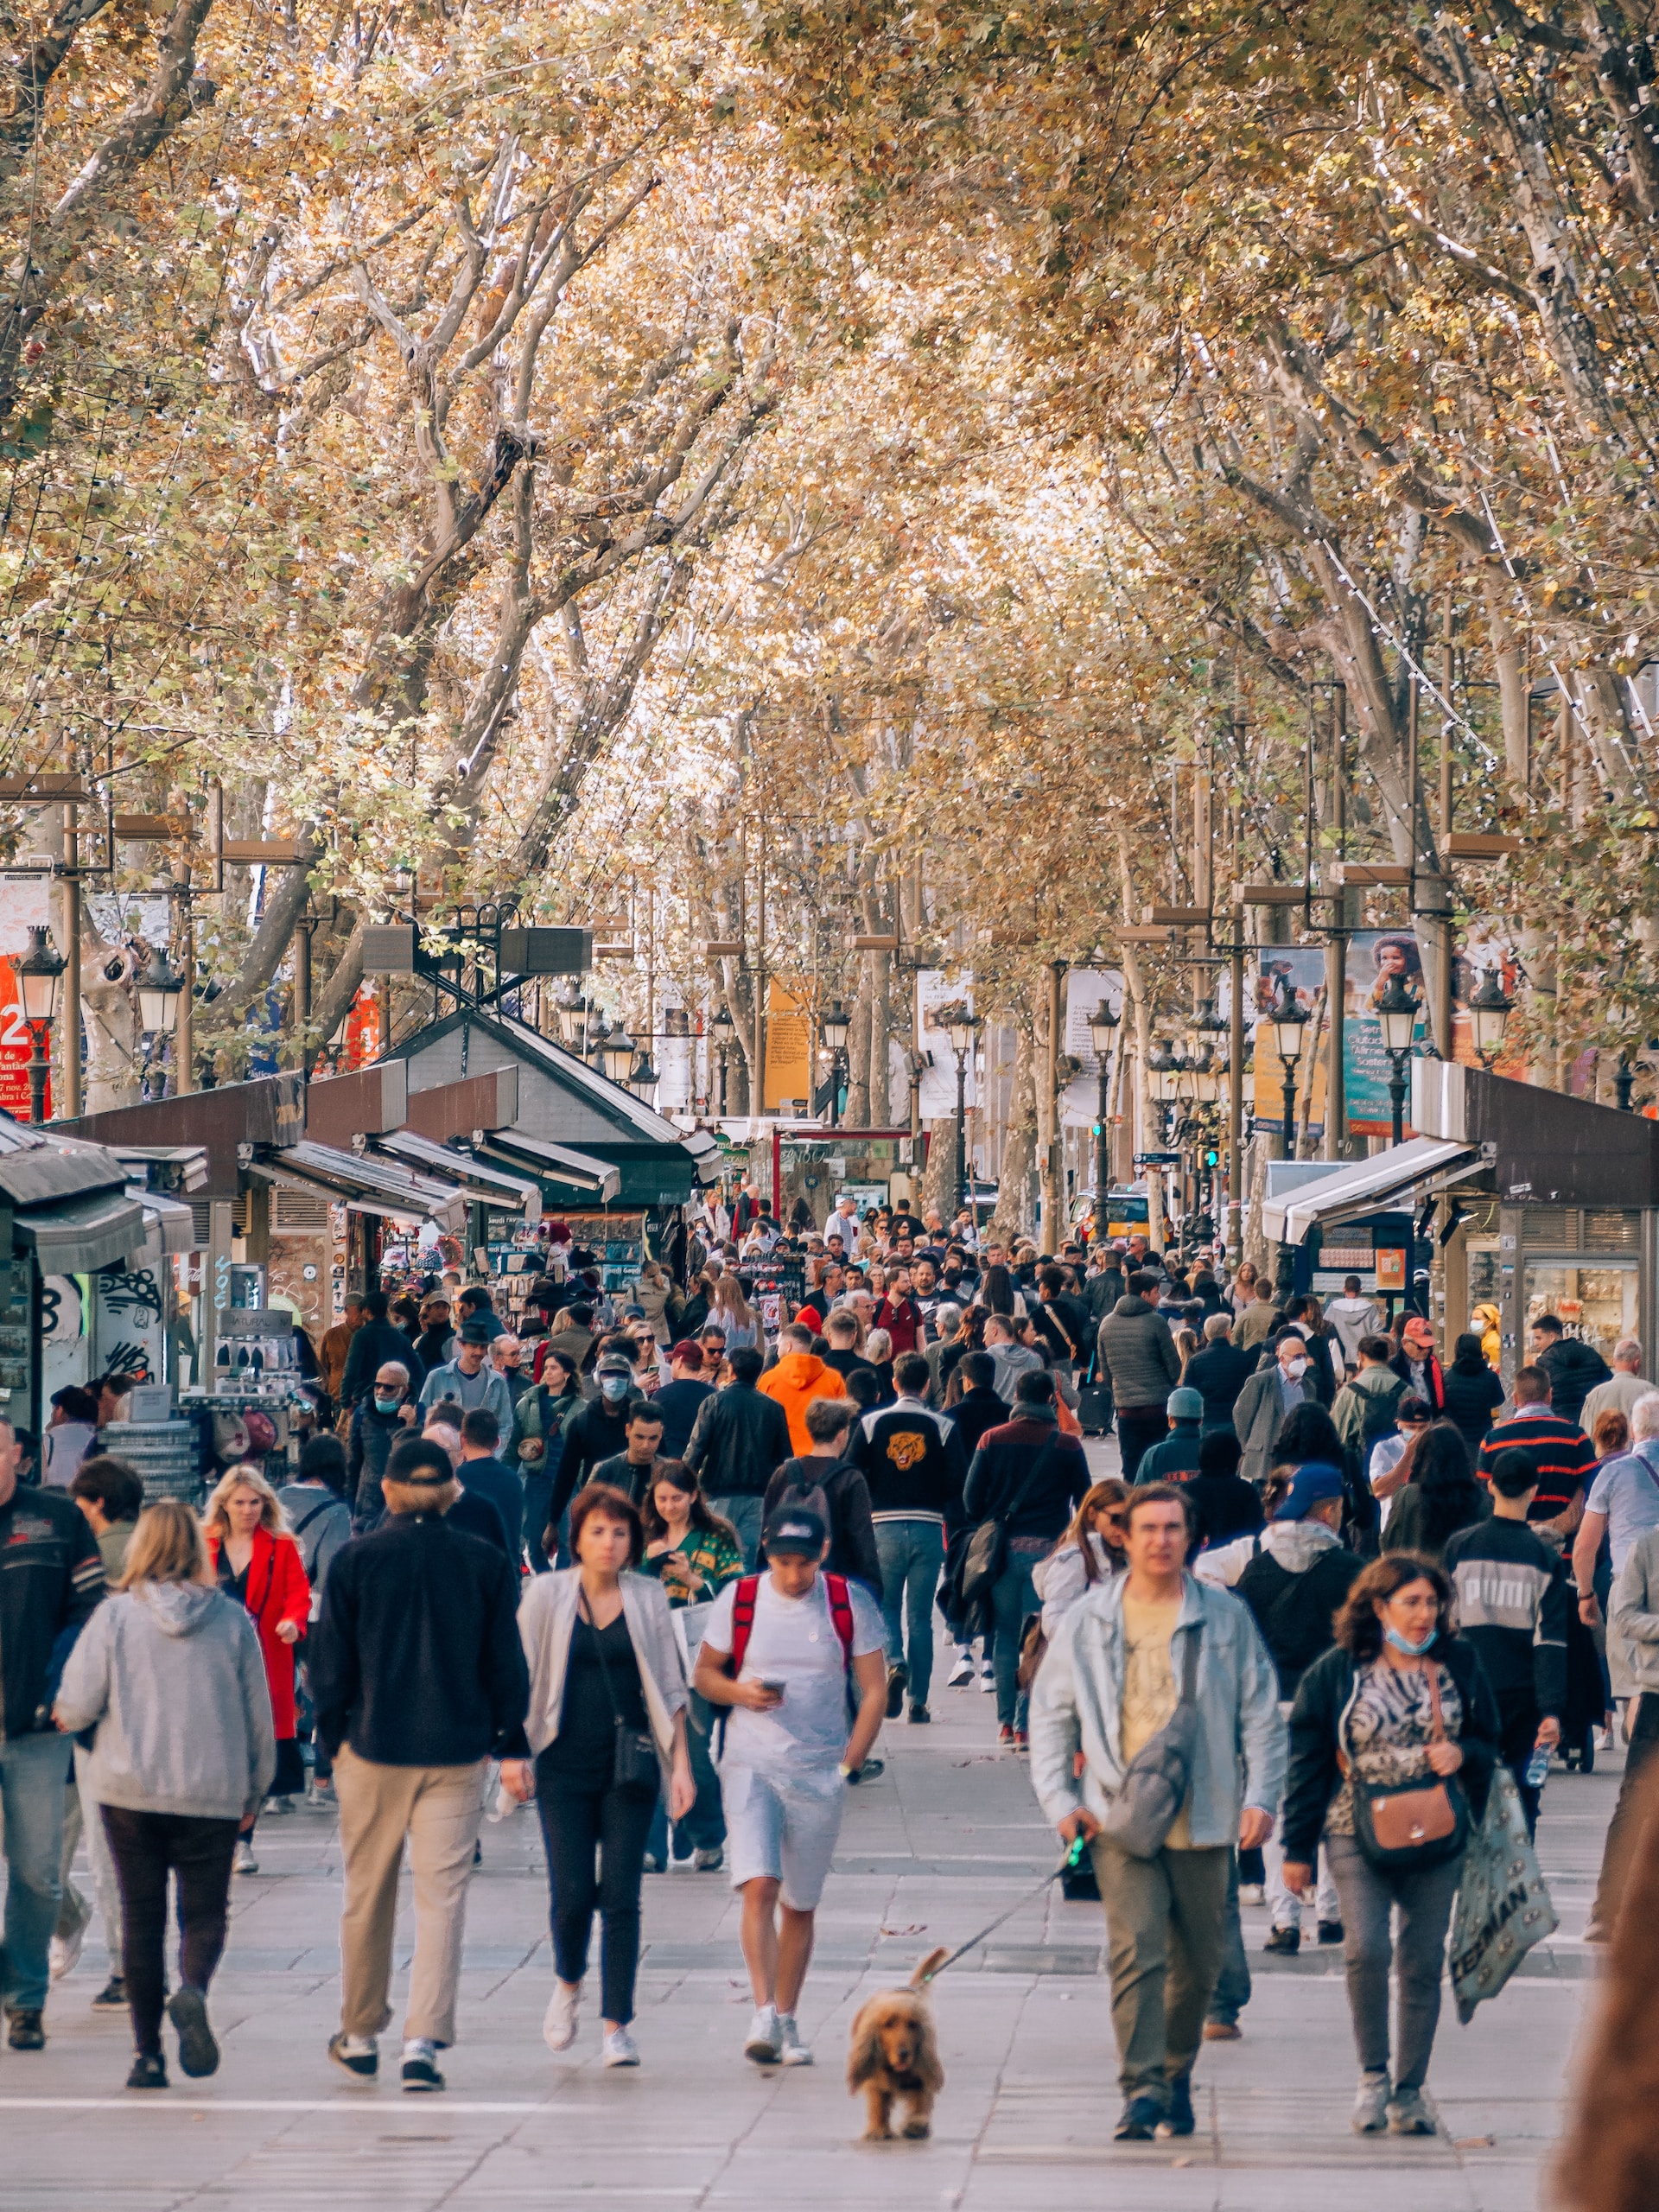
(1294, 1612)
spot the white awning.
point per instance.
(1364, 1186)
(367, 1184)
(491, 1186)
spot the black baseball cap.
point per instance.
(795, 1533)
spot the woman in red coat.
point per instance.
(256, 1562)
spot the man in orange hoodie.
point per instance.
(800, 1377)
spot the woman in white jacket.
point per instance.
(606, 1729)
(169, 1675)
(1090, 1551)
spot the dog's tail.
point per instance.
(929, 1967)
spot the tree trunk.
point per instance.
(1013, 1215)
(858, 1059)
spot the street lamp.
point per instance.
(1488, 1016)
(722, 1029)
(1288, 1021)
(1396, 1015)
(834, 1026)
(40, 974)
(643, 1076)
(616, 1054)
(1103, 1030)
(159, 989)
(960, 1025)
(574, 1015)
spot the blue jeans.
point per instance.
(703, 1828)
(33, 1772)
(744, 1514)
(1013, 1597)
(912, 1554)
(1232, 1990)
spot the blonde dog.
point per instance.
(894, 2058)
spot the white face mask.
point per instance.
(1296, 1369)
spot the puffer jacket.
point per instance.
(1139, 1351)
(797, 1378)
(1076, 1706)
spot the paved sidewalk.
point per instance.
(948, 1838)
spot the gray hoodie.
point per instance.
(171, 1677)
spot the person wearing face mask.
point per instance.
(1269, 1396)
(377, 1421)
(598, 1433)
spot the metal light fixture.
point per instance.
(721, 1027)
(1102, 1027)
(643, 1076)
(40, 972)
(574, 1016)
(834, 1026)
(1488, 1016)
(1289, 1023)
(962, 1029)
(160, 989)
(1397, 1015)
(616, 1054)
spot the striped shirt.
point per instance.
(1563, 1458)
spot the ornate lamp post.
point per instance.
(1397, 1015)
(961, 1027)
(834, 1026)
(1289, 1023)
(40, 974)
(722, 1029)
(1103, 1031)
(161, 987)
(1489, 1017)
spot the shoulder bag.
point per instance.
(986, 1552)
(1417, 1824)
(635, 1766)
(1156, 1780)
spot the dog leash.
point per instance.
(1069, 1865)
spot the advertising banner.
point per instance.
(1373, 957)
(1302, 967)
(789, 1048)
(1084, 990)
(934, 989)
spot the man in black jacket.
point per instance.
(1574, 1368)
(1295, 1586)
(376, 1344)
(378, 1422)
(1219, 1371)
(412, 1733)
(979, 1409)
(51, 1580)
(599, 1432)
(912, 1459)
(738, 1439)
(484, 1475)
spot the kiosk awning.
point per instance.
(487, 1185)
(368, 1185)
(578, 1171)
(77, 1236)
(1363, 1187)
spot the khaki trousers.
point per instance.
(439, 1809)
(1165, 1928)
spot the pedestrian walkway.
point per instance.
(948, 1838)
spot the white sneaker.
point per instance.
(765, 2042)
(279, 1805)
(1252, 1893)
(988, 1678)
(963, 1671)
(794, 2051)
(245, 1862)
(619, 2049)
(559, 2024)
(64, 1951)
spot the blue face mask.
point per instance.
(614, 1386)
(1402, 1644)
(387, 1405)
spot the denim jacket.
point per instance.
(1077, 1702)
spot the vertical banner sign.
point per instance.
(1484, 947)
(24, 904)
(934, 989)
(1302, 966)
(1084, 990)
(362, 1039)
(789, 1048)
(1373, 957)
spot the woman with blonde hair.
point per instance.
(732, 1311)
(254, 1558)
(169, 1674)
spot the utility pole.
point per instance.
(71, 1086)
(1336, 946)
(1052, 1178)
(1235, 1093)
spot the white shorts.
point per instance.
(787, 1834)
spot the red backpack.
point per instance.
(841, 1612)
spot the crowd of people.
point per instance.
(666, 1563)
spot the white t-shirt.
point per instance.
(794, 1642)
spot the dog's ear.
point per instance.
(927, 2069)
(864, 2057)
(929, 1967)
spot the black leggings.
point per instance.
(579, 1818)
(145, 1848)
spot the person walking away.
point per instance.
(1093, 1547)
(336, 1345)
(1269, 1397)
(1416, 1365)
(1352, 1317)
(1062, 1321)
(1218, 1371)
(911, 1459)
(1031, 1478)
(377, 1422)
(1176, 1458)
(483, 1474)
(419, 1677)
(738, 1439)
(1473, 1392)
(1563, 1458)
(1621, 1390)
(255, 1559)
(826, 1481)
(1400, 1698)
(972, 1403)
(1633, 1618)
(1574, 1367)
(1441, 1496)
(1389, 1469)
(606, 1729)
(171, 1799)
(797, 1378)
(681, 1398)
(1010, 1358)
(1219, 1501)
(375, 1342)
(314, 1504)
(1111, 1679)
(948, 1345)
(111, 1497)
(787, 1652)
(468, 1380)
(1623, 1505)
(694, 1554)
(1366, 1409)
(1258, 1319)
(1294, 1587)
(1140, 1354)
(1514, 1607)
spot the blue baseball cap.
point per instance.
(1310, 1486)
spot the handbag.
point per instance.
(1155, 1781)
(635, 1766)
(1417, 1823)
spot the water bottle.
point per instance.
(1537, 1768)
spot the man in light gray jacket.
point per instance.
(1269, 1396)
(1110, 1681)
